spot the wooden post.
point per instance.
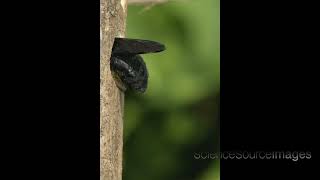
(112, 24)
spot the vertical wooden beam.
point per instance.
(112, 24)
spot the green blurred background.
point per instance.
(178, 115)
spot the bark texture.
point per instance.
(112, 24)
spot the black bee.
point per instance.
(127, 66)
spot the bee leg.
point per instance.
(122, 72)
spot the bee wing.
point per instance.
(135, 46)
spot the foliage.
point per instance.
(178, 115)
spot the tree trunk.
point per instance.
(112, 24)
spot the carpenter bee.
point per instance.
(127, 66)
